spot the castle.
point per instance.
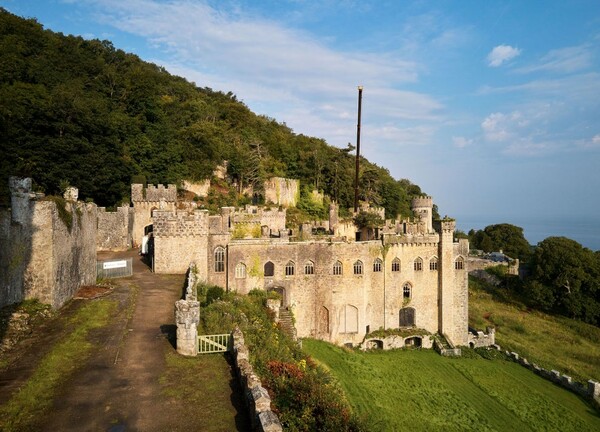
(339, 281)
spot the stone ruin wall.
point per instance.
(42, 258)
(282, 191)
(115, 229)
(199, 188)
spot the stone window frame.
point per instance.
(433, 263)
(377, 265)
(396, 265)
(338, 268)
(418, 264)
(219, 256)
(290, 268)
(406, 290)
(358, 268)
(240, 271)
(309, 268)
(459, 263)
(267, 267)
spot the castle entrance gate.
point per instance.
(281, 292)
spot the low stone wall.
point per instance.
(481, 339)
(257, 397)
(590, 391)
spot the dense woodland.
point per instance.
(81, 112)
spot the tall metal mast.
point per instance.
(360, 89)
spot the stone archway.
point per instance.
(281, 291)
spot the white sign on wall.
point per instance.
(114, 264)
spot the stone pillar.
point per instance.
(594, 389)
(187, 316)
(71, 194)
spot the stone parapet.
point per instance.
(153, 193)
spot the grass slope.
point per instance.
(420, 390)
(552, 342)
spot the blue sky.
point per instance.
(492, 107)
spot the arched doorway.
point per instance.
(281, 292)
(407, 317)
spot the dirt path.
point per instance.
(119, 388)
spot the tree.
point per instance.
(506, 237)
(565, 278)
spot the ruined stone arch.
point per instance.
(323, 321)
(349, 319)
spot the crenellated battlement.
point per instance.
(152, 193)
(180, 224)
(422, 201)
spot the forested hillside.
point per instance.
(80, 112)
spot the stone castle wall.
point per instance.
(40, 257)
(282, 191)
(115, 229)
(179, 239)
(145, 201)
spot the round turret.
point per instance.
(422, 207)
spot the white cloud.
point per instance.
(502, 127)
(461, 142)
(501, 54)
(564, 60)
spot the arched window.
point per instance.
(269, 269)
(377, 265)
(219, 259)
(240, 271)
(358, 267)
(459, 264)
(396, 265)
(418, 264)
(406, 290)
(433, 263)
(309, 268)
(337, 269)
(290, 268)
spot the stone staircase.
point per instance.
(443, 346)
(286, 322)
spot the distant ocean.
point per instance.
(584, 230)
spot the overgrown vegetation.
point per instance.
(81, 112)
(404, 332)
(304, 395)
(26, 407)
(501, 237)
(403, 390)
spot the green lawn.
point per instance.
(552, 342)
(420, 390)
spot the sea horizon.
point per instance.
(583, 229)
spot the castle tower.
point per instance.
(145, 201)
(423, 209)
